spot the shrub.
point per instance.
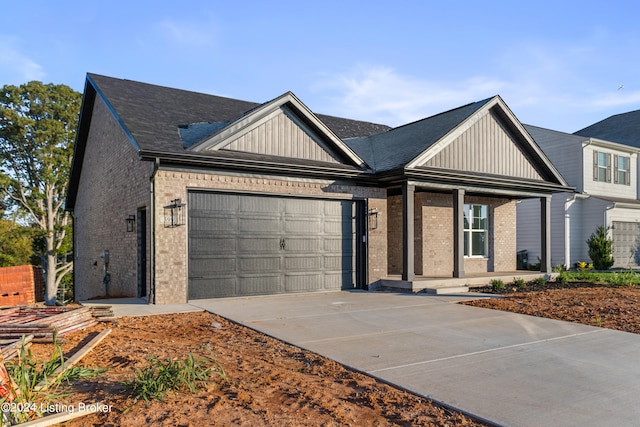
(562, 278)
(163, 376)
(540, 281)
(497, 285)
(519, 282)
(600, 249)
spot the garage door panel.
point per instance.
(304, 226)
(212, 224)
(256, 244)
(626, 244)
(201, 245)
(303, 263)
(261, 284)
(256, 205)
(199, 266)
(258, 225)
(266, 245)
(304, 282)
(212, 287)
(259, 264)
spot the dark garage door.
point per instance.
(626, 244)
(256, 245)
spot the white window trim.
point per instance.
(468, 210)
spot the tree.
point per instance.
(600, 249)
(38, 125)
(16, 244)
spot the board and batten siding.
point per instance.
(283, 135)
(486, 147)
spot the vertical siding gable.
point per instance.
(283, 134)
(486, 147)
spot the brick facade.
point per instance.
(20, 285)
(113, 185)
(171, 272)
(434, 235)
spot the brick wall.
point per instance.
(434, 235)
(113, 185)
(18, 285)
(171, 272)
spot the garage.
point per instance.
(247, 244)
(626, 242)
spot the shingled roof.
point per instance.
(621, 128)
(395, 148)
(154, 114)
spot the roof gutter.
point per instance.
(270, 166)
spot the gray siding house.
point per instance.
(179, 195)
(605, 177)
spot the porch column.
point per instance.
(458, 233)
(545, 235)
(408, 232)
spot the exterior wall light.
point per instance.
(131, 223)
(373, 219)
(174, 214)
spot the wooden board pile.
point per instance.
(44, 322)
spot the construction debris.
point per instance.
(44, 322)
(12, 348)
(70, 362)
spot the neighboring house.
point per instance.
(605, 177)
(179, 195)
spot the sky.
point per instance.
(560, 64)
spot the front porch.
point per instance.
(453, 285)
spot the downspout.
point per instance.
(567, 231)
(152, 238)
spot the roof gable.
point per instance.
(490, 141)
(284, 127)
(397, 147)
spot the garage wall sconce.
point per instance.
(174, 214)
(373, 219)
(131, 223)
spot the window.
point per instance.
(601, 166)
(476, 230)
(622, 174)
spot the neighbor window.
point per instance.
(476, 230)
(622, 174)
(601, 166)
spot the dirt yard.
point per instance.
(270, 383)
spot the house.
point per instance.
(179, 195)
(605, 177)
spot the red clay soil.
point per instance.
(270, 383)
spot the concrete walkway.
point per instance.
(509, 369)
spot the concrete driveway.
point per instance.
(509, 369)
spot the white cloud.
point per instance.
(544, 92)
(380, 94)
(16, 67)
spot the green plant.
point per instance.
(519, 282)
(497, 284)
(540, 281)
(28, 373)
(600, 249)
(562, 278)
(163, 376)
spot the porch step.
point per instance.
(441, 290)
(439, 287)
